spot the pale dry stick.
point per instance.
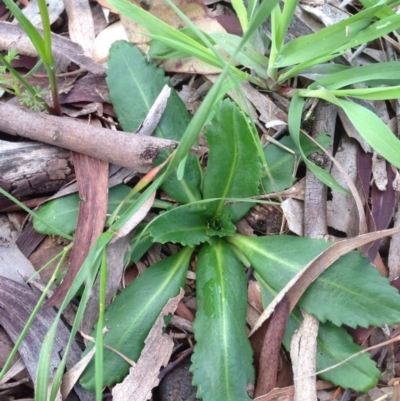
(303, 345)
(72, 375)
(271, 139)
(63, 74)
(7, 386)
(80, 24)
(313, 106)
(383, 397)
(92, 339)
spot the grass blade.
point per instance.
(294, 115)
(352, 75)
(30, 30)
(368, 124)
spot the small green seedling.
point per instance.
(43, 47)
(11, 81)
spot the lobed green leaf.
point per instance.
(133, 313)
(350, 292)
(222, 360)
(334, 345)
(233, 168)
(62, 213)
(134, 84)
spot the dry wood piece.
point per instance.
(121, 148)
(315, 224)
(80, 24)
(29, 168)
(302, 349)
(304, 344)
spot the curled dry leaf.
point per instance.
(136, 218)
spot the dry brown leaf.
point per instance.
(115, 265)
(343, 205)
(394, 250)
(155, 113)
(13, 264)
(17, 302)
(106, 38)
(293, 210)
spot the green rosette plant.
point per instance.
(209, 201)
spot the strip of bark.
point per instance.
(120, 148)
(91, 217)
(303, 346)
(270, 353)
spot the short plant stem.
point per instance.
(54, 91)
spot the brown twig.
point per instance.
(120, 148)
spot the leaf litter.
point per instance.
(384, 202)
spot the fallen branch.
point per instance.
(120, 148)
